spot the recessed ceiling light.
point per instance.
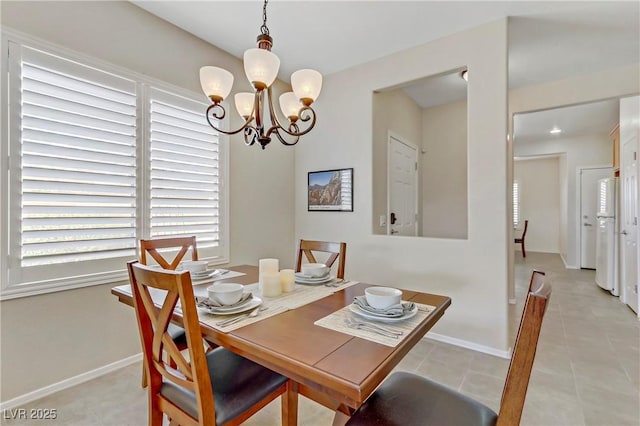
(555, 131)
(465, 75)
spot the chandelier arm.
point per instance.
(282, 140)
(250, 135)
(220, 115)
(275, 123)
(293, 130)
(306, 113)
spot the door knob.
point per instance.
(624, 232)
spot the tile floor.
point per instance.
(587, 369)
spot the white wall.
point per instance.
(393, 111)
(444, 171)
(49, 338)
(539, 188)
(564, 201)
(582, 151)
(472, 272)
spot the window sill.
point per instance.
(63, 284)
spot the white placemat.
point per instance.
(227, 275)
(300, 296)
(338, 321)
(212, 320)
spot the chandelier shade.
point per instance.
(261, 67)
(306, 85)
(244, 104)
(216, 82)
(290, 105)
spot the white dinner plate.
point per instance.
(208, 275)
(359, 311)
(254, 302)
(302, 279)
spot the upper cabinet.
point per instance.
(615, 138)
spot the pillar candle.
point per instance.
(268, 265)
(271, 286)
(287, 280)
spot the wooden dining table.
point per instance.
(337, 370)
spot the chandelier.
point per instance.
(261, 67)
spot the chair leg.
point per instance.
(290, 404)
(524, 253)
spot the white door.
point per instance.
(629, 219)
(403, 188)
(588, 208)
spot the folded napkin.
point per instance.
(392, 311)
(208, 303)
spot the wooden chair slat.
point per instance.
(337, 251)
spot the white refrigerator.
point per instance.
(607, 236)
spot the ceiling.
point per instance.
(548, 40)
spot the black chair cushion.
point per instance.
(177, 335)
(238, 384)
(406, 399)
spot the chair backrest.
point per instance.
(515, 387)
(537, 278)
(158, 345)
(524, 231)
(337, 251)
(151, 247)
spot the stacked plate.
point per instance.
(207, 275)
(384, 317)
(236, 308)
(306, 279)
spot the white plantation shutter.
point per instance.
(516, 204)
(184, 172)
(78, 166)
(98, 158)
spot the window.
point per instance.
(97, 160)
(184, 170)
(516, 204)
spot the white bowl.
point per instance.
(195, 266)
(314, 270)
(225, 293)
(382, 297)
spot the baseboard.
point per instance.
(566, 265)
(67, 383)
(468, 345)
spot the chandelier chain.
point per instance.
(264, 29)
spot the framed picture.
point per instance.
(330, 190)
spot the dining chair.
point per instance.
(537, 277)
(337, 251)
(408, 399)
(521, 239)
(217, 387)
(150, 248)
